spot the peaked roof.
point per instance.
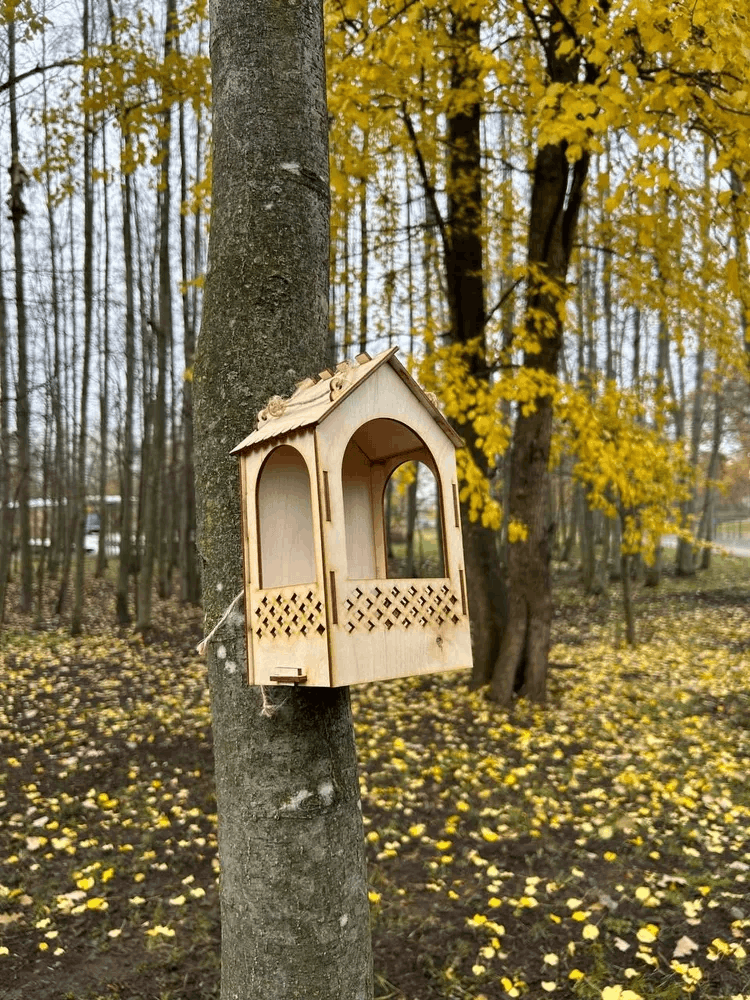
(315, 397)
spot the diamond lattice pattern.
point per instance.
(400, 605)
(289, 613)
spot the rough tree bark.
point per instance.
(295, 920)
(686, 561)
(189, 580)
(706, 530)
(7, 512)
(464, 268)
(556, 194)
(104, 402)
(18, 178)
(79, 520)
(461, 238)
(122, 611)
(156, 480)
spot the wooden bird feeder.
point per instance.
(320, 606)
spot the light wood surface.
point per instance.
(319, 606)
(285, 606)
(285, 520)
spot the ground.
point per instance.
(599, 847)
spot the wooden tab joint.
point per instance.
(293, 676)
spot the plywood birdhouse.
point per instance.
(324, 605)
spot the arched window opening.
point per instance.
(285, 521)
(391, 504)
(413, 523)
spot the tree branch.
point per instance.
(502, 300)
(427, 184)
(7, 84)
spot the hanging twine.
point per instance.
(268, 709)
(203, 644)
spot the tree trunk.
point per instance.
(557, 190)
(18, 178)
(652, 573)
(7, 513)
(707, 529)
(122, 609)
(42, 525)
(587, 382)
(70, 319)
(411, 523)
(465, 284)
(76, 625)
(156, 480)
(364, 254)
(627, 598)
(189, 582)
(58, 532)
(739, 203)
(295, 919)
(101, 554)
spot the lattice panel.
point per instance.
(400, 605)
(289, 613)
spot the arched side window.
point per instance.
(369, 471)
(285, 520)
(413, 523)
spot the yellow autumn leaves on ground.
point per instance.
(597, 848)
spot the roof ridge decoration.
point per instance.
(315, 397)
(342, 379)
(275, 407)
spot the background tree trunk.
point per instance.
(295, 916)
(104, 401)
(189, 580)
(706, 531)
(18, 178)
(76, 625)
(156, 481)
(7, 513)
(557, 190)
(122, 609)
(465, 284)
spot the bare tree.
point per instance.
(6, 466)
(18, 179)
(79, 516)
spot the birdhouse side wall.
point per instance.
(380, 627)
(287, 622)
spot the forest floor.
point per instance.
(598, 848)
